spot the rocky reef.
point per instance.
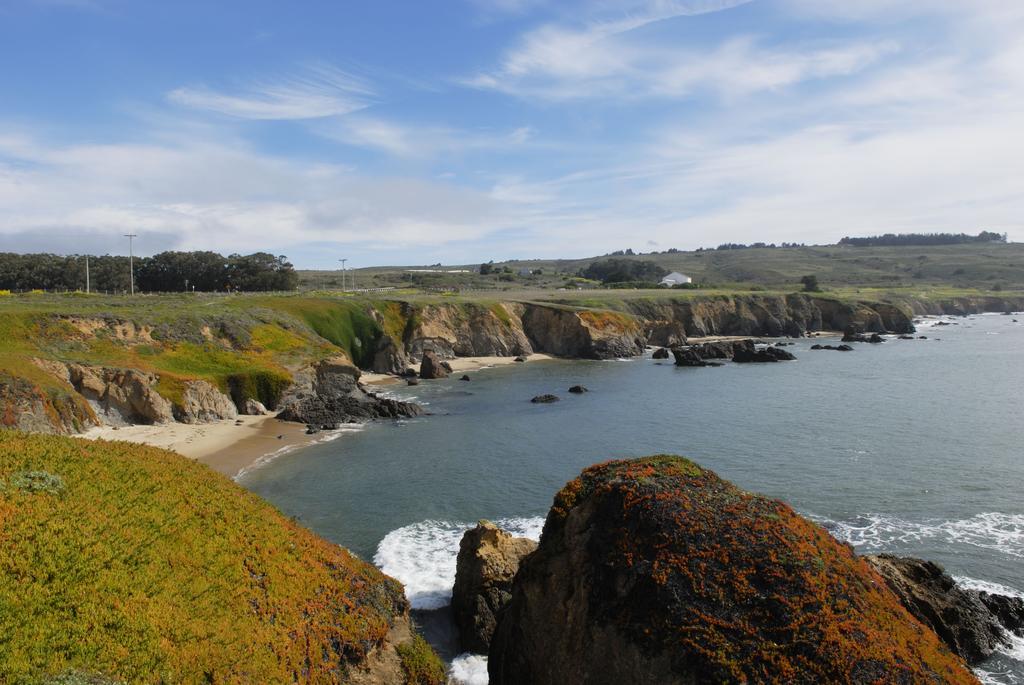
(656, 570)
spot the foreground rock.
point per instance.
(578, 389)
(328, 395)
(962, 618)
(545, 399)
(657, 571)
(432, 367)
(488, 560)
(660, 353)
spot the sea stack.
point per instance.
(656, 570)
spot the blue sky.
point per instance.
(464, 130)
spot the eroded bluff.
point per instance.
(657, 571)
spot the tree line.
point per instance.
(164, 272)
(890, 239)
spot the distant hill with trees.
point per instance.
(616, 270)
(893, 239)
(164, 272)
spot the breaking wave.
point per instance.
(422, 555)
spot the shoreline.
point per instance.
(225, 446)
(234, 446)
(458, 364)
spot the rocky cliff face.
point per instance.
(328, 394)
(657, 571)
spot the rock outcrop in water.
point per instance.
(488, 560)
(328, 394)
(971, 623)
(657, 571)
(431, 366)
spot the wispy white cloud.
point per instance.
(314, 93)
(607, 58)
(418, 141)
(211, 195)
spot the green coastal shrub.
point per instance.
(265, 386)
(421, 664)
(37, 481)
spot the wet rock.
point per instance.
(465, 378)
(660, 353)
(488, 560)
(957, 616)
(545, 399)
(852, 334)
(432, 367)
(767, 354)
(412, 381)
(519, 359)
(578, 389)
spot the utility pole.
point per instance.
(343, 273)
(86, 274)
(131, 259)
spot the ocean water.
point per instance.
(912, 447)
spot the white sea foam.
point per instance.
(987, 586)
(468, 669)
(996, 531)
(994, 678)
(422, 555)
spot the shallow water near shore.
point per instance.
(912, 446)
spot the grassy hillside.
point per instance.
(145, 567)
(981, 266)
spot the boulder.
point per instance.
(545, 399)
(432, 367)
(328, 394)
(578, 389)
(464, 378)
(660, 353)
(203, 403)
(766, 354)
(853, 334)
(1009, 611)
(254, 407)
(488, 560)
(123, 395)
(959, 617)
(656, 571)
(687, 356)
(519, 359)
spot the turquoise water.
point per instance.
(912, 447)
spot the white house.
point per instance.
(676, 278)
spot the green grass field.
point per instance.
(969, 266)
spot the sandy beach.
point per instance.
(231, 447)
(459, 365)
(225, 446)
